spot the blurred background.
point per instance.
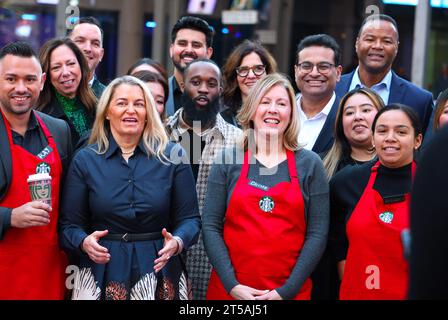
(141, 28)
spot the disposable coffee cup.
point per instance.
(40, 187)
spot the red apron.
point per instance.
(376, 268)
(264, 232)
(32, 266)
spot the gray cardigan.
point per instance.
(315, 191)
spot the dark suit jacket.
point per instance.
(60, 132)
(401, 91)
(170, 105)
(97, 88)
(326, 136)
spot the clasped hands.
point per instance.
(242, 292)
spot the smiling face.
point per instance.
(246, 83)
(127, 111)
(21, 81)
(273, 113)
(87, 37)
(357, 119)
(394, 139)
(316, 84)
(65, 71)
(377, 46)
(189, 45)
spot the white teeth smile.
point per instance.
(20, 98)
(68, 82)
(273, 121)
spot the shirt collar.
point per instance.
(356, 81)
(114, 148)
(325, 111)
(92, 81)
(176, 124)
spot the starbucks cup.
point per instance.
(40, 187)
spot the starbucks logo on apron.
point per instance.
(266, 204)
(43, 167)
(387, 217)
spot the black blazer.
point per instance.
(401, 91)
(325, 139)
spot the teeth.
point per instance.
(68, 82)
(274, 121)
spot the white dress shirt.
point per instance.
(311, 128)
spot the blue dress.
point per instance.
(143, 195)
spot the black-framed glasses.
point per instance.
(322, 67)
(257, 69)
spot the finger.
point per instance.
(163, 258)
(39, 221)
(100, 234)
(100, 249)
(40, 205)
(166, 234)
(34, 212)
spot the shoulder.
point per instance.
(348, 174)
(53, 123)
(415, 90)
(228, 130)
(307, 157)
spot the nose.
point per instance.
(359, 115)
(130, 108)
(314, 71)
(251, 74)
(390, 135)
(87, 47)
(273, 107)
(65, 70)
(203, 88)
(377, 44)
(21, 87)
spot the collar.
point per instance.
(175, 85)
(356, 81)
(324, 112)
(114, 148)
(177, 126)
(91, 81)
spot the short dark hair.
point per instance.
(194, 23)
(320, 40)
(380, 17)
(89, 20)
(206, 60)
(19, 49)
(408, 111)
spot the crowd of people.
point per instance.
(214, 182)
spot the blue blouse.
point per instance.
(103, 191)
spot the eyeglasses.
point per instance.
(258, 70)
(322, 67)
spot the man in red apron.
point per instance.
(32, 266)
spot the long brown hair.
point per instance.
(341, 147)
(84, 92)
(231, 94)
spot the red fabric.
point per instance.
(373, 242)
(32, 266)
(263, 246)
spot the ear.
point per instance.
(338, 72)
(171, 50)
(418, 141)
(42, 81)
(209, 52)
(356, 45)
(101, 54)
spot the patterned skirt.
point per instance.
(129, 275)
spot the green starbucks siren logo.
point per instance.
(266, 204)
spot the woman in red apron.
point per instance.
(31, 264)
(265, 220)
(375, 265)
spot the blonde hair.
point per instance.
(154, 136)
(249, 108)
(341, 147)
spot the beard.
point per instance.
(205, 114)
(178, 63)
(8, 107)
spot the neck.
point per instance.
(17, 122)
(179, 78)
(370, 79)
(362, 153)
(313, 105)
(190, 123)
(126, 143)
(268, 146)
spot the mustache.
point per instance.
(201, 97)
(189, 55)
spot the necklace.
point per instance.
(127, 152)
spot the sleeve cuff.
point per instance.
(181, 244)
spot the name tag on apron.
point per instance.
(258, 185)
(44, 153)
